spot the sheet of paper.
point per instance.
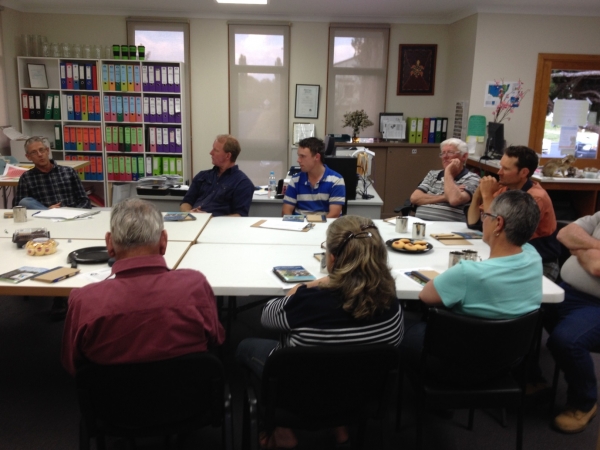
(13, 134)
(279, 224)
(61, 213)
(12, 171)
(99, 275)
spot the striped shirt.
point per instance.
(433, 184)
(314, 316)
(315, 199)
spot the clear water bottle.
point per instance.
(272, 185)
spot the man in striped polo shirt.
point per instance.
(443, 193)
(317, 188)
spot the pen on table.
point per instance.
(37, 212)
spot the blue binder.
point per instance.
(63, 75)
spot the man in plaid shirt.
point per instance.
(48, 185)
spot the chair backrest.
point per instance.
(476, 349)
(146, 397)
(329, 384)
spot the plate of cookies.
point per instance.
(405, 245)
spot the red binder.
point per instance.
(98, 134)
(25, 105)
(69, 75)
(86, 139)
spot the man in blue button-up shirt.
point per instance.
(224, 190)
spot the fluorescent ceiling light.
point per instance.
(244, 2)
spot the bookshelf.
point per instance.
(127, 117)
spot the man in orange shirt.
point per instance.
(516, 168)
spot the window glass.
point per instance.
(259, 90)
(162, 45)
(571, 126)
(259, 50)
(357, 76)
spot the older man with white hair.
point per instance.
(147, 312)
(443, 193)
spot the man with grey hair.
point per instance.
(442, 193)
(144, 311)
(48, 185)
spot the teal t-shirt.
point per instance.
(497, 288)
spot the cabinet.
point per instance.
(397, 170)
(127, 118)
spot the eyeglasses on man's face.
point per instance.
(449, 154)
(483, 215)
(38, 152)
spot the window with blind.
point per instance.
(164, 40)
(358, 57)
(258, 89)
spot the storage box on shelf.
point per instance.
(127, 118)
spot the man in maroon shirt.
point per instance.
(144, 311)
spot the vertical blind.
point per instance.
(259, 62)
(357, 76)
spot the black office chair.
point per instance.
(469, 363)
(406, 209)
(163, 398)
(324, 387)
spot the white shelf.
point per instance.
(46, 128)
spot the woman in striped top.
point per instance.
(355, 305)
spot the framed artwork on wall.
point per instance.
(307, 101)
(416, 69)
(37, 76)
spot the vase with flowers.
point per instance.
(357, 120)
(509, 98)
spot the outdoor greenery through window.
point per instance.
(573, 107)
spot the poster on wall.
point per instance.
(494, 91)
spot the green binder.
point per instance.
(109, 168)
(56, 107)
(49, 102)
(121, 140)
(128, 139)
(157, 165)
(58, 140)
(119, 109)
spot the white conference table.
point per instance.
(13, 258)
(239, 230)
(96, 226)
(238, 259)
(263, 206)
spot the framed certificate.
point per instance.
(303, 130)
(307, 101)
(37, 76)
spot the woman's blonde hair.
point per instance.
(360, 270)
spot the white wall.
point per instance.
(507, 46)
(308, 65)
(461, 37)
(470, 52)
(209, 88)
(422, 105)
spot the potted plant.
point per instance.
(357, 120)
